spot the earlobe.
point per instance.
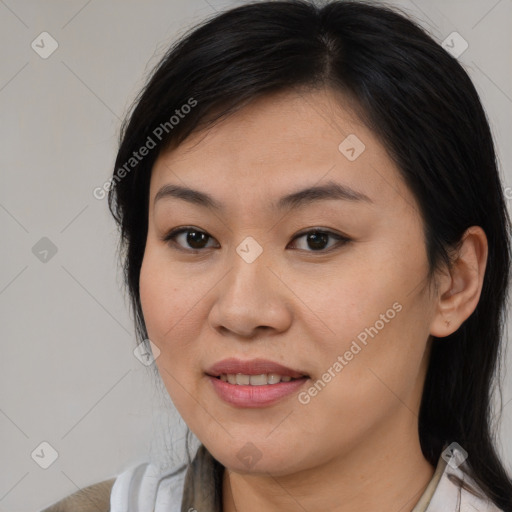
(460, 288)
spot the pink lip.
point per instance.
(254, 396)
(252, 367)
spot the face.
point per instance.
(330, 285)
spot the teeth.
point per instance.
(242, 379)
(273, 378)
(254, 380)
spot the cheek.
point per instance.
(344, 304)
(154, 302)
(164, 306)
(380, 331)
(170, 308)
(377, 364)
(164, 295)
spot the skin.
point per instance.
(355, 445)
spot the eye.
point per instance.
(317, 239)
(195, 238)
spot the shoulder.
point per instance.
(95, 497)
(141, 486)
(470, 495)
(456, 490)
(148, 487)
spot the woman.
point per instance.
(316, 243)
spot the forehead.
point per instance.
(278, 143)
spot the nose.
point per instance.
(251, 300)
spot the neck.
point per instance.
(384, 473)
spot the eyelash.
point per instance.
(171, 235)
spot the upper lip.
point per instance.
(251, 367)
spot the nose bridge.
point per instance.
(250, 296)
(250, 250)
(249, 267)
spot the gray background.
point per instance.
(68, 373)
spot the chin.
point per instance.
(255, 457)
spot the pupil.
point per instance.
(191, 240)
(317, 238)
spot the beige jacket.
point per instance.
(94, 498)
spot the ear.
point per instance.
(460, 288)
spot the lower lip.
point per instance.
(254, 396)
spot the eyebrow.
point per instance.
(331, 190)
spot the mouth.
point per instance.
(258, 394)
(253, 372)
(262, 379)
(254, 383)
